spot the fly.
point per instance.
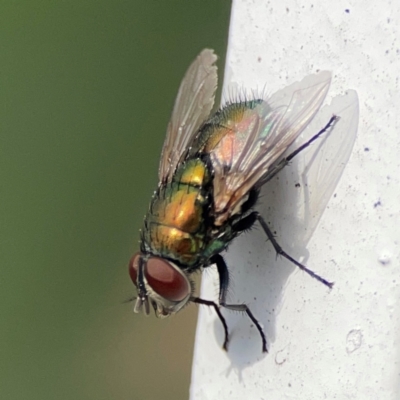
(211, 170)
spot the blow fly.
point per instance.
(211, 170)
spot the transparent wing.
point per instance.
(259, 137)
(321, 167)
(296, 198)
(193, 105)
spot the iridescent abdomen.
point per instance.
(174, 225)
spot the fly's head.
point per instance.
(159, 282)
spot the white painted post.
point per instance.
(343, 343)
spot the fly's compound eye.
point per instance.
(166, 279)
(163, 277)
(133, 267)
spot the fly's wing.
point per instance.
(258, 137)
(297, 197)
(321, 166)
(193, 105)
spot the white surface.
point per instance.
(339, 344)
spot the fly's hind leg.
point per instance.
(223, 290)
(285, 161)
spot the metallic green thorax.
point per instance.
(175, 226)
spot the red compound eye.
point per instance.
(133, 267)
(166, 279)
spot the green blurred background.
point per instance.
(86, 90)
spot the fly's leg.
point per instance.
(282, 164)
(256, 216)
(221, 317)
(248, 221)
(223, 290)
(329, 125)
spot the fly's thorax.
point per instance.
(174, 225)
(171, 242)
(194, 173)
(160, 283)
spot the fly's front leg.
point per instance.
(220, 316)
(223, 290)
(281, 252)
